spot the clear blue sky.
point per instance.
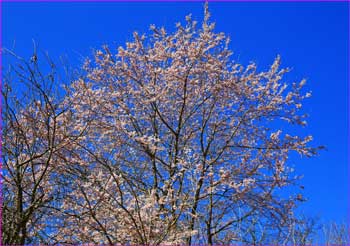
(312, 38)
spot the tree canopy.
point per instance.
(166, 140)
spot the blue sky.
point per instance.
(312, 38)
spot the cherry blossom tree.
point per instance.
(184, 145)
(36, 144)
(167, 140)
